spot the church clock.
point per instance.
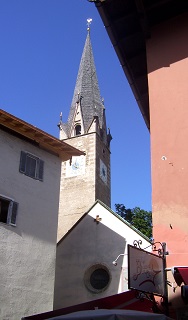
(76, 167)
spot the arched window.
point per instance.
(78, 130)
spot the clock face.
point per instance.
(76, 167)
(103, 171)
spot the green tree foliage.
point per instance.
(139, 218)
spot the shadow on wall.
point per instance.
(84, 268)
(176, 33)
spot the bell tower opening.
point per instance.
(78, 130)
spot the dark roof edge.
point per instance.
(123, 63)
(112, 212)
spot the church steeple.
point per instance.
(87, 104)
(86, 178)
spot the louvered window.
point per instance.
(8, 211)
(31, 166)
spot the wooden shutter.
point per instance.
(40, 169)
(31, 166)
(14, 213)
(22, 161)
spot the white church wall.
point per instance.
(89, 246)
(125, 231)
(27, 251)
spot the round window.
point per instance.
(97, 278)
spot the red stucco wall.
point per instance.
(167, 53)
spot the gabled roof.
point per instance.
(87, 90)
(111, 212)
(44, 140)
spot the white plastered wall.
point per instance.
(90, 243)
(27, 251)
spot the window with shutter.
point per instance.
(31, 166)
(8, 210)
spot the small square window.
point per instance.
(31, 166)
(8, 211)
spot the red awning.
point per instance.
(183, 272)
(126, 300)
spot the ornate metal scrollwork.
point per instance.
(155, 247)
(137, 243)
(161, 251)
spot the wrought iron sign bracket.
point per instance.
(161, 251)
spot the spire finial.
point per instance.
(89, 20)
(60, 122)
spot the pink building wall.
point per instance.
(167, 52)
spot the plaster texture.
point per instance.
(167, 52)
(89, 244)
(27, 251)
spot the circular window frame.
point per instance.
(88, 274)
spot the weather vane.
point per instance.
(89, 20)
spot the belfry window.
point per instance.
(78, 130)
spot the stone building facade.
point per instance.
(86, 178)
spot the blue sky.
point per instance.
(41, 46)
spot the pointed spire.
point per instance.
(87, 92)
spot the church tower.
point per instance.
(86, 178)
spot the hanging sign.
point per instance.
(145, 271)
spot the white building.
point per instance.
(85, 255)
(30, 170)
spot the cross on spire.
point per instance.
(89, 20)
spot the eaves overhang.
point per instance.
(129, 24)
(34, 135)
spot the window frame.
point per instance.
(88, 274)
(25, 167)
(11, 214)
